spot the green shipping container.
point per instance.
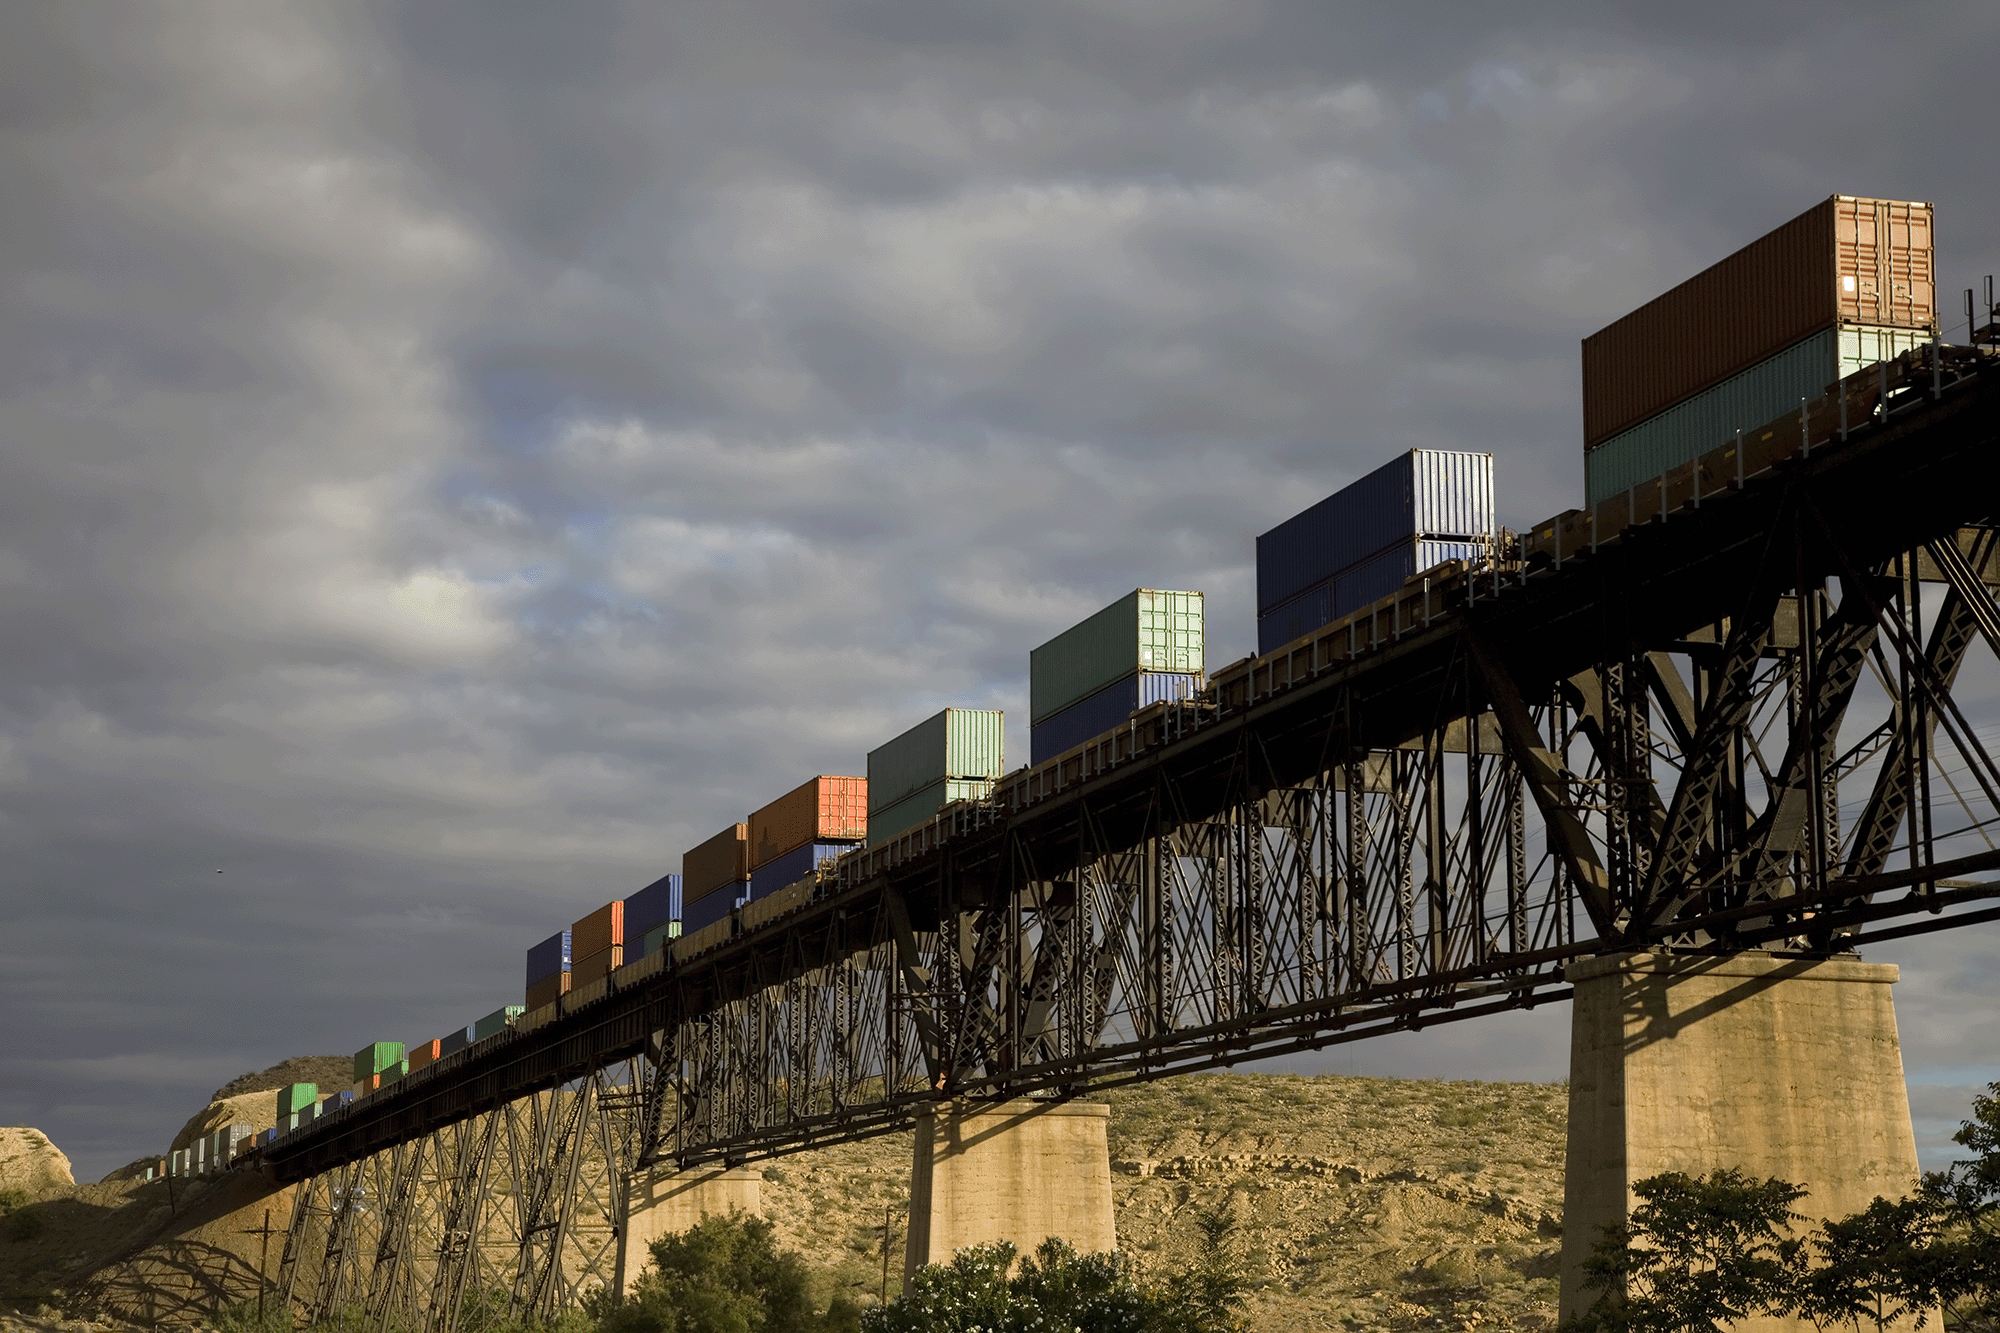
(1145, 630)
(958, 743)
(497, 1021)
(297, 1097)
(656, 938)
(913, 810)
(395, 1072)
(1761, 394)
(376, 1058)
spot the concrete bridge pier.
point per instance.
(1778, 1066)
(1021, 1171)
(665, 1203)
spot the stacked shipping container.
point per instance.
(715, 876)
(1847, 283)
(548, 973)
(954, 756)
(1147, 645)
(597, 944)
(652, 916)
(814, 822)
(1364, 541)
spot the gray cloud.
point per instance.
(456, 458)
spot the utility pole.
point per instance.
(888, 1221)
(263, 1261)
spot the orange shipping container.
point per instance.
(723, 860)
(603, 963)
(422, 1053)
(598, 931)
(822, 810)
(547, 990)
(1844, 261)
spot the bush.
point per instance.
(18, 1218)
(725, 1275)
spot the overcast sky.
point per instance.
(457, 456)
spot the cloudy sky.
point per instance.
(455, 456)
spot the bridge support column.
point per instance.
(1021, 1171)
(1778, 1066)
(664, 1204)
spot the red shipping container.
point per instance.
(598, 931)
(1843, 261)
(547, 990)
(825, 809)
(422, 1053)
(600, 964)
(724, 859)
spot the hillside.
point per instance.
(1360, 1204)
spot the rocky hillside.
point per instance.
(1363, 1204)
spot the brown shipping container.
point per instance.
(600, 964)
(546, 991)
(598, 931)
(422, 1053)
(723, 859)
(822, 810)
(1844, 261)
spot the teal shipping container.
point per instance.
(375, 1058)
(1148, 629)
(957, 744)
(914, 809)
(656, 938)
(1761, 394)
(296, 1097)
(497, 1021)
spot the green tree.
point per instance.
(724, 1275)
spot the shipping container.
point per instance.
(1711, 418)
(336, 1102)
(376, 1057)
(914, 809)
(1148, 629)
(958, 743)
(592, 966)
(654, 905)
(824, 809)
(548, 990)
(394, 1072)
(597, 932)
(549, 957)
(424, 1052)
(1425, 494)
(794, 866)
(496, 1022)
(712, 907)
(296, 1097)
(1843, 261)
(1110, 707)
(724, 859)
(656, 938)
(1356, 587)
(461, 1038)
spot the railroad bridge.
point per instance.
(1676, 757)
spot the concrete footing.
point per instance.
(1777, 1066)
(1020, 1171)
(665, 1204)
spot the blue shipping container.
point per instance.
(710, 908)
(793, 866)
(1353, 589)
(455, 1041)
(1106, 709)
(549, 958)
(1425, 493)
(654, 905)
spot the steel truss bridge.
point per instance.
(1753, 706)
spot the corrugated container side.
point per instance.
(656, 939)
(794, 866)
(1436, 493)
(723, 859)
(549, 957)
(296, 1097)
(1109, 708)
(546, 991)
(1148, 629)
(596, 965)
(1355, 588)
(376, 1057)
(823, 809)
(1762, 393)
(496, 1021)
(955, 743)
(1780, 289)
(654, 905)
(915, 809)
(460, 1038)
(711, 908)
(424, 1052)
(597, 932)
